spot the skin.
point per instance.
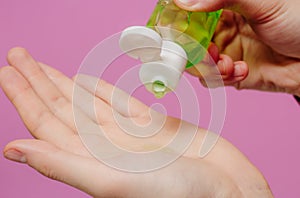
(42, 96)
(258, 42)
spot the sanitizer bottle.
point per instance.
(173, 39)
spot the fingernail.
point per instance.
(15, 155)
(238, 70)
(188, 2)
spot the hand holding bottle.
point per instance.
(262, 36)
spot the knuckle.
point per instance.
(21, 94)
(59, 104)
(49, 172)
(43, 117)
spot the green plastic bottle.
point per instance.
(198, 25)
(173, 40)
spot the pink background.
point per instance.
(264, 126)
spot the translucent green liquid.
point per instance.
(159, 89)
(198, 28)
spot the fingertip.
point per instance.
(15, 155)
(200, 5)
(225, 66)
(191, 5)
(30, 145)
(241, 69)
(16, 53)
(17, 150)
(213, 51)
(232, 70)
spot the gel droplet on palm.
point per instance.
(159, 89)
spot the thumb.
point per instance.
(254, 10)
(201, 5)
(83, 173)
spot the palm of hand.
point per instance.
(43, 98)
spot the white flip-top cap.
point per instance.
(141, 43)
(168, 70)
(164, 61)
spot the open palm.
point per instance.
(43, 98)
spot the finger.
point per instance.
(36, 116)
(41, 123)
(67, 86)
(224, 68)
(252, 9)
(84, 173)
(206, 66)
(240, 73)
(119, 100)
(228, 73)
(59, 105)
(232, 71)
(201, 5)
(213, 52)
(103, 110)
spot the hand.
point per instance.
(262, 36)
(42, 97)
